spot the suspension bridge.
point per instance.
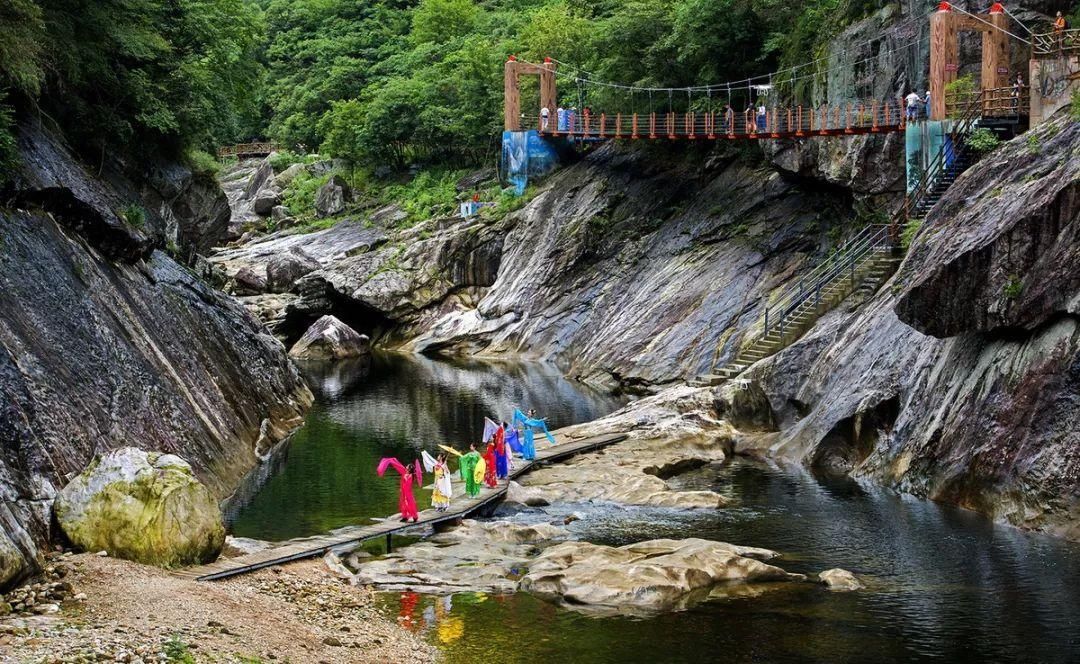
(768, 107)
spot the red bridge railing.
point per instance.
(851, 118)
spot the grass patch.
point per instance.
(282, 160)
(1074, 106)
(202, 163)
(1034, 145)
(1012, 287)
(134, 215)
(177, 651)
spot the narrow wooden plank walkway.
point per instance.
(308, 547)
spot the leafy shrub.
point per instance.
(282, 160)
(982, 141)
(299, 196)
(134, 214)
(202, 163)
(430, 194)
(911, 229)
(1012, 288)
(1034, 145)
(1074, 106)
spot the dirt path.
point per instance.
(132, 613)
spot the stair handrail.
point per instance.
(936, 168)
(846, 260)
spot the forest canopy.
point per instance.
(375, 81)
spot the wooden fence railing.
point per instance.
(247, 150)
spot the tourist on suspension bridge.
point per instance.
(762, 115)
(472, 470)
(560, 118)
(1017, 92)
(926, 101)
(729, 119)
(545, 116)
(443, 488)
(912, 100)
(409, 474)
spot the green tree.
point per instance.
(439, 21)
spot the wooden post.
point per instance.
(511, 104)
(944, 57)
(549, 97)
(995, 50)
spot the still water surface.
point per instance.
(945, 584)
(397, 406)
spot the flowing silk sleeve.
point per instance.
(389, 462)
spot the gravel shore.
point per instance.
(127, 612)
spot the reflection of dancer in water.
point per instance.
(409, 474)
(443, 488)
(409, 600)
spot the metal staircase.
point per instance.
(867, 260)
(863, 263)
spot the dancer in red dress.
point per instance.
(409, 474)
(489, 467)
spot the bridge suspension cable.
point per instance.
(766, 78)
(982, 20)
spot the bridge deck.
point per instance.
(308, 547)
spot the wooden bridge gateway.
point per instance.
(309, 547)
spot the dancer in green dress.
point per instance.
(468, 471)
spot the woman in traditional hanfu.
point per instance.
(470, 463)
(409, 474)
(443, 488)
(528, 447)
(501, 454)
(489, 464)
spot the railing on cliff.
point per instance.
(1056, 42)
(846, 262)
(240, 150)
(1004, 103)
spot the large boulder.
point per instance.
(246, 281)
(265, 202)
(142, 506)
(283, 270)
(657, 575)
(330, 339)
(332, 197)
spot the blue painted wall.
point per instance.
(526, 154)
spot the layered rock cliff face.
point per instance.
(632, 267)
(107, 342)
(959, 381)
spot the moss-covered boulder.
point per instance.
(142, 506)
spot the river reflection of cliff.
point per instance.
(426, 401)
